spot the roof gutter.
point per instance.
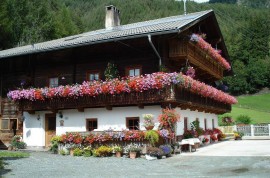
(154, 48)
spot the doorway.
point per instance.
(50, 128)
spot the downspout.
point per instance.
(151, 43)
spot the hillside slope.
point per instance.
(256, 106)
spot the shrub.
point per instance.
(102, 151)
(1, 164)
(62, 152)
(87, 152)
(117, 148)
(77, 152)
(132, 147)
(167, 149)
(17, 142)
(152, 136)
(154, 151)
(243, 119)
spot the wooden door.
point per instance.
(50, 128)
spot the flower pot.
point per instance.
(118, 154)
(132, 155)
(149, 127)
(71, 152)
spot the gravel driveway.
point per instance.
(218, 160)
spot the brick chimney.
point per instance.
(112, 17)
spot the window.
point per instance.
(9, 124)
(132, 123)
(205, 124)
(91, 124)
(93, 75)
(185, 123)
(53, 82)
(133, 71)
(213, 123)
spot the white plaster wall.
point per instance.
(74, 121)
(107, 119)
(33, 129)
(192, 115)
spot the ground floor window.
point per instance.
(91, 124)
(132, 123)
(213, 123)
(205, 124)
(9, 124)
(185, 123)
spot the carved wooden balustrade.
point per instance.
(173, 96)
(182, 50)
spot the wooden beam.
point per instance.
(80, 109)
(108, 107)
(141, 106)
(31, 112)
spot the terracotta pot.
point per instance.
(118, 154)
(149, 127)
(132, 155)
(71, 152)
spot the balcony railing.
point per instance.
(170, 96)
(188, 50)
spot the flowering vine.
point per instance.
(115, 86)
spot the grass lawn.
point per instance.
(256, 106)
(13, 154)
(255, 102)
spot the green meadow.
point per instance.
(256, 106)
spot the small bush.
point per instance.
(243, 119)
(1, 164)
(17, 142)
(154, 151)
(87, 152)
(152, 136)
(102, 151)
(62, 152)
(77, 152)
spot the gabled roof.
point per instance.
(166, 25)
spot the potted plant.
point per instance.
(205, 140)
(132, 149)
(152, 136)
(214, 138)
(238, 135)
(117, 150)
(148, 121)
(167, 150)
(154, 153)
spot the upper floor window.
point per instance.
(133, 71)
(93, 75)
(53, 82)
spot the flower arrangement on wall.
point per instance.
(115, 86)
(215, 54)
(168, 119)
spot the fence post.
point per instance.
(269, 129)
(252, 130)
(235, 128)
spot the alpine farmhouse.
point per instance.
(59, 86)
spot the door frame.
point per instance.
(47, 116)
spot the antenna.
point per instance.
(185, 8)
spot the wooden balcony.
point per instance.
(173, 96)
(182, 50)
